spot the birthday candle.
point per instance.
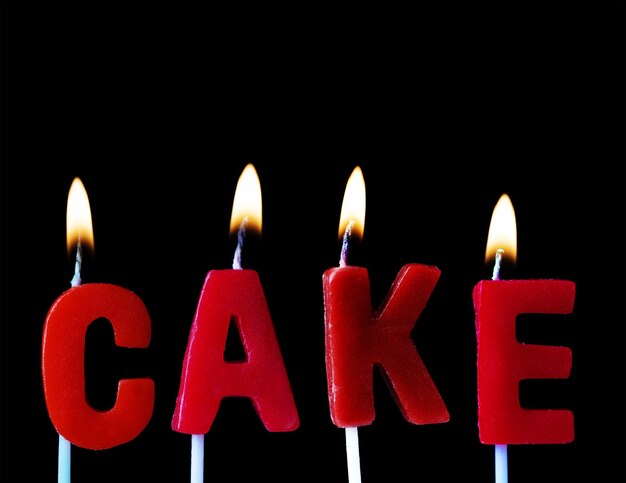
(503, 361)
(63, 349)
(206, 377)
(359, 338)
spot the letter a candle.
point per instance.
(359, 338)
(63, 352)
(503, 361)
(206, 377)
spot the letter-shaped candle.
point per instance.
(207, 378)
(503, 361)
(358, 337)
(64, 372)
(63, 349)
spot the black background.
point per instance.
(157, 107)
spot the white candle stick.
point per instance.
(197, 458)
(352, 453)
(65, 459)
(501, 463)
(64, 469)
(352, 433)
(197, 440)
(501, 454)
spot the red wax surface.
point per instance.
(359, 337)
(502, 361)
(207, 378)
(63, 370)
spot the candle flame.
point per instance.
(502, 231)
(248, 204)
(353, 206)
(79, 226)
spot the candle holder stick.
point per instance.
(501, 450)
(65, 459)
(501, 463)
(197, 458)
(197, 440)
(352, 452)
(352, 433)
(64, 469)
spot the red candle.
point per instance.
(359, 337)
(503, 361)
(63, 356)
(63, 350)
(206, 377)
